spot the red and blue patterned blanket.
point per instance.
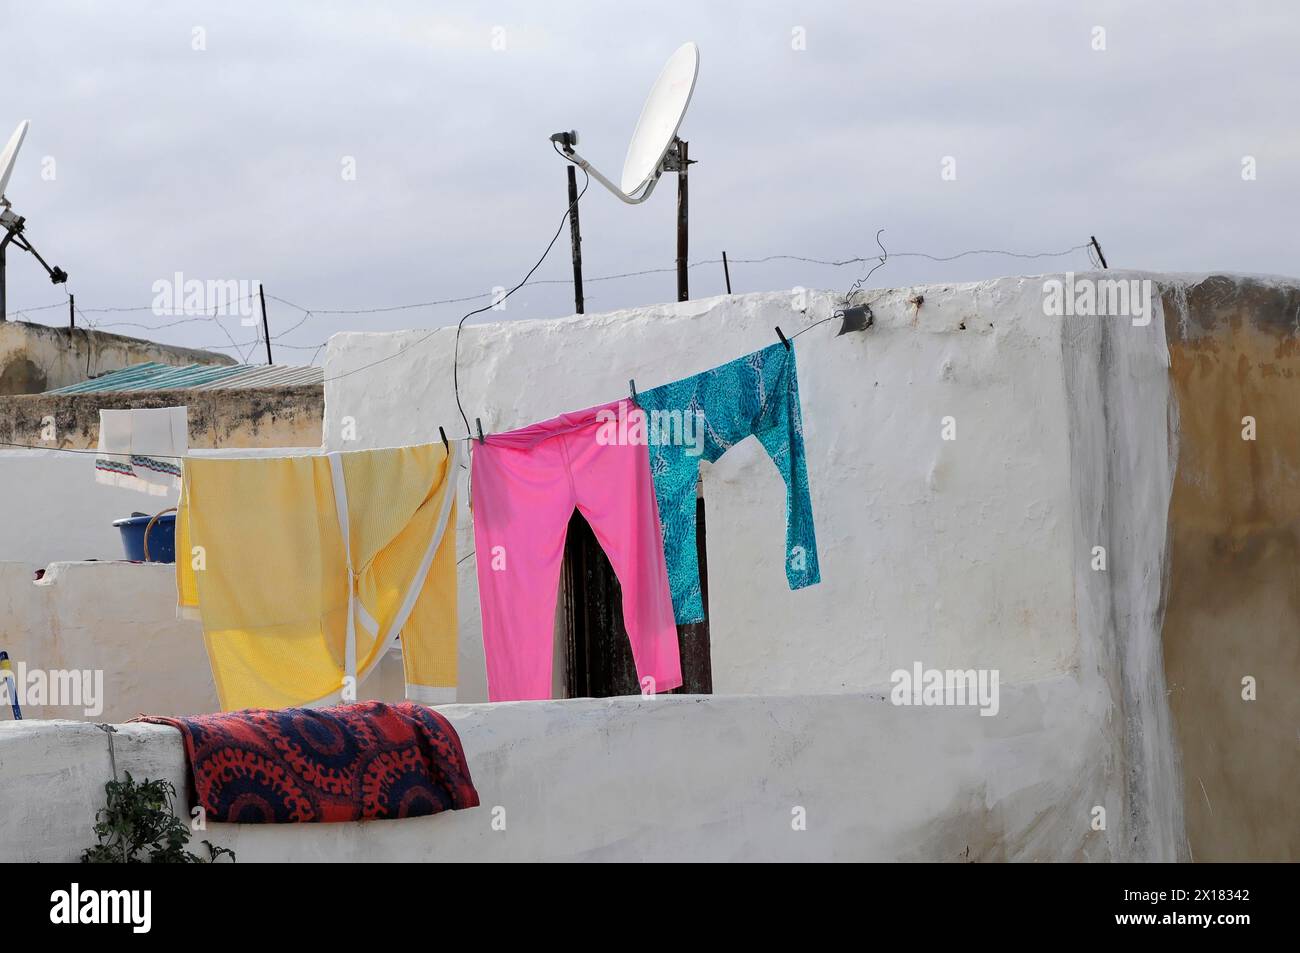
(355, 762)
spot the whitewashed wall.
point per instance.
(111, 616)
(115, 618)
(964, 554)
(970, 553)
(957, 554)
(52, 508)
(118, 619)
(674, 778)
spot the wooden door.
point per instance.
(597, 652)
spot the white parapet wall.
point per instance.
(108, 635)
(958, 553)
(673, 778)
(53, 510)
(965, 456)
(110, 631)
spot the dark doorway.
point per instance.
(598, 656)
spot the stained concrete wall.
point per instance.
(250, 417)
(35, 358)
(1234, 585)
(1121, 460)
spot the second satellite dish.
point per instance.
(10, 155)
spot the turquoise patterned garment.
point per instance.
(701, 417)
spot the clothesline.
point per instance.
(343, 510)
(163, 456)
(27, 446)
(467, 438)
(284, 642)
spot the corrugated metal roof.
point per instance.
(268, 375)
(153, 376)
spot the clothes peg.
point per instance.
(479, 424)
(445, 445)
(783, 339)
(631, 386)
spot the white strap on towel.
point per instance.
(451, 479)
(341, 507)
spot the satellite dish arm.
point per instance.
(591, 170)
(57, 275)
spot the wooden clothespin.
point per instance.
(445, 445)
(783, 339)
(479, 424)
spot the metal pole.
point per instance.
(4, 243)
(726, 270)
(1099, 254)
(683, 292)
(72, 314)
(575, 239)
(266, 333)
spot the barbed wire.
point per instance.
(240, 348)
(766, 259)
(307, 313)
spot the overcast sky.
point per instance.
(814, 125)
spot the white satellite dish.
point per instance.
(654, 150)
(648, 154)
(10, 156)
(661, 117)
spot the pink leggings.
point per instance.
(525, 486)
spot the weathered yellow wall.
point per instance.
(1233, 599)
(36, 358)
(261, 417)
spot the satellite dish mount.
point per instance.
(655, 149)
(13, 223)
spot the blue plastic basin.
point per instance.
(162, 538)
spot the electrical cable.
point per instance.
(455, 367)
(456, 348)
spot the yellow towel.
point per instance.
(273, 552)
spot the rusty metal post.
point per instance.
(4, 244)
(266, 332)
(683, 200)
(575, 239)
